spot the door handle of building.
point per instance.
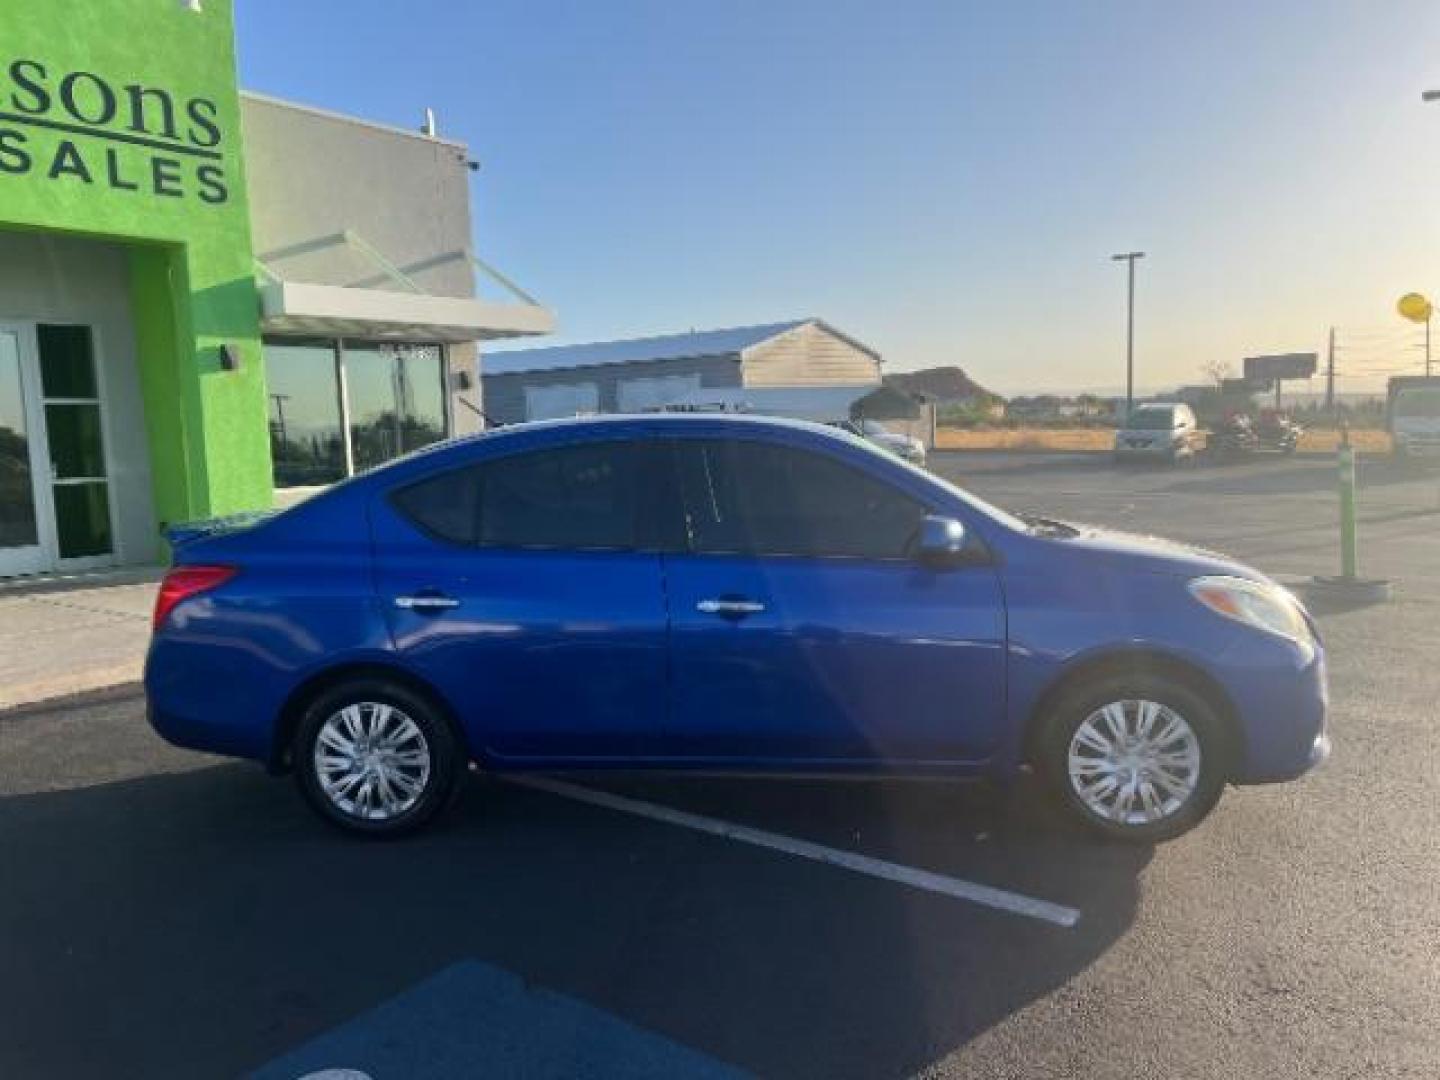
(729, 608)
(426, 602)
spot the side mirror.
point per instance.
(941, 542)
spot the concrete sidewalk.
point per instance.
(55, 642)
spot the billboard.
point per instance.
(1300, 365)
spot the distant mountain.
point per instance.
(941, 384)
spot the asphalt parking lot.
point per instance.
(165, 914)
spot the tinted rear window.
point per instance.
(577, 497)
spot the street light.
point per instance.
(1129, 258)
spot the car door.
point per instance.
(524, 588)
(801, 629)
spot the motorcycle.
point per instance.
(1233, 440)
(1277, 433)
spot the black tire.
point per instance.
(439, 739)
(1078, 704)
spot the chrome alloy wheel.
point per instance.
(1134, 762)
(372, 761)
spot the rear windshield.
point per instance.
(1151, 420)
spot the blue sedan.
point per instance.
(721, 593)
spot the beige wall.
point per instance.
(312, 175)
(809, 355)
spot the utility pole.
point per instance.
(1330, 375)
(280, 400)
(1129, 258)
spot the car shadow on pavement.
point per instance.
(203, 923)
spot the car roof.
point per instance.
(646, 421)
(616, 423)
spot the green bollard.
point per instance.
(1348, 589)
(1347, 506)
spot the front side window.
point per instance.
(582, 497)
(765, 499)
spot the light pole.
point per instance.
(1129, 258)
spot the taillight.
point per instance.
(183, 582)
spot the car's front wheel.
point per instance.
(1139, 758)
(373, 757)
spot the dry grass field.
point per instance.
(1099, 440)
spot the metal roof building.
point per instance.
(803, 367)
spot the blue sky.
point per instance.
(944, 180)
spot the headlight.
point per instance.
(1264, 607)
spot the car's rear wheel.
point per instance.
(375, 758)
(1139, 758)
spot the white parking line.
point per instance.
(986, 895)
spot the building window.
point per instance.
(306, 443)
(393, 401)
(397, 400)
(565, 399)
(654, 392)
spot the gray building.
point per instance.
(369, 299)
(803, 368)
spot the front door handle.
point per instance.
(426, 602)
(730, 608)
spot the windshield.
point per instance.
(1151, 420)
(1417, 404)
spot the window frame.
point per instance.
(650, 520)
(679, 525)
(337, 346)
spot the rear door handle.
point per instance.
(731, 609)
(424, 602)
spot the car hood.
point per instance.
(1152, 554)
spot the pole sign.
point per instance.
(1414, 307)
(1281, 366)
(1237, 387)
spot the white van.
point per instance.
(1159, 431)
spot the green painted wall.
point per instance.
(121, 119)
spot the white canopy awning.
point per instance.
(406, 313)
(291, 307)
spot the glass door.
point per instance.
(22, 546)
(75, 444)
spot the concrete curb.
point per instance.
(123, 691)
(44, 691)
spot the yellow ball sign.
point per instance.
(1414, 307)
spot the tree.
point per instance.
(1217, 371)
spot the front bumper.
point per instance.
(1148, 450)
(1283, 716)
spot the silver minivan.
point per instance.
(1159, 431)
